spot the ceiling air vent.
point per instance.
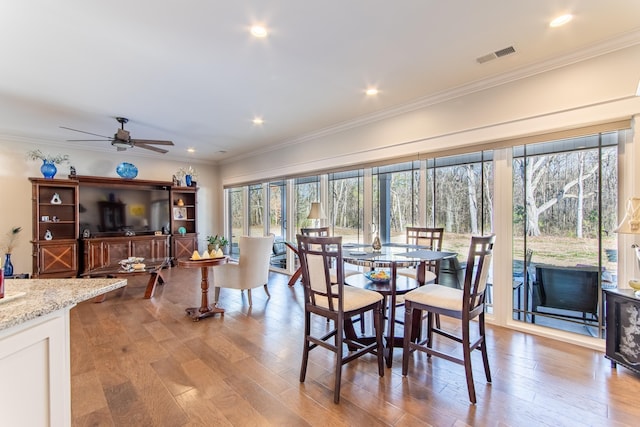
(497, 54)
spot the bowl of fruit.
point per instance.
(378, 276)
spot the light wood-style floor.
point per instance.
(138, 362)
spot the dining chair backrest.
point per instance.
(315, 231)
(425, 236)
(317, 255)
(477, 273)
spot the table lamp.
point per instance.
(316, 212)
(631, 225)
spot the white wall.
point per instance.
(595, 90)
(15, 187)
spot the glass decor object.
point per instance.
(127, 170)
(187, 180)
(8, 266)
(48, 169)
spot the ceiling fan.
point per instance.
(122, 139)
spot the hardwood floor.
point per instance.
(138, 362)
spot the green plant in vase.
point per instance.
(215, 243)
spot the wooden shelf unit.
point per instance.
(57, 256)
(184, 201)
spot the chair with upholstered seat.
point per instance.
(465, 304)
(252, 269)
(424, 236)
(337, 303)
(325, 232)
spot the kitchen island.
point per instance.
(34, 347)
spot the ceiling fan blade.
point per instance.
(88, 133)
(150, 147)
(151, 141)
(86, 140)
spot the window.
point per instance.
(564, 211)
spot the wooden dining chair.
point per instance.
(315, 231)
(465, 304)
(337, 303)
(425, 272)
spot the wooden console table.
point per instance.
(153, 268)
(205, 309)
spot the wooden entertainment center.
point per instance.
(64, 248)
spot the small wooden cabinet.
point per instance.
(623, 328)
(183, 221)
(55, 227)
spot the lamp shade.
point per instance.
(316, 211)
(631, 222)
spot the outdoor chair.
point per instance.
(557, 290)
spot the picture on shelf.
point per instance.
(179, 213)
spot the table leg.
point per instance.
(392, 318)
(205, 310)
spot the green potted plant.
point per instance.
(216, 242)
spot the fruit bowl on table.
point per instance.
(378, 276)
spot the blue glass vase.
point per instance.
(8, 266)
(187, 180)
(48, 169)
(127, 170)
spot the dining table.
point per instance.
(390, 256)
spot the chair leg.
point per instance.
(429, 335)
(408, 327)
(483, 348)
(305, 350)
(266, 289)
(378, 324)
(249, 297)
(216, 295)
(466, 351)
(339, 357)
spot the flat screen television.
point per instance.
(116, 211)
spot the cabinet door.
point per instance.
(94, 254)
(57, 259)
(116, 251)
(142, 248)
(161, 247)
(623, 331)
(183, 246)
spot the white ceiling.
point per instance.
(190, 72)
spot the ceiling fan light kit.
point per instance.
(122, 139)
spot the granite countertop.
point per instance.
(44, 296)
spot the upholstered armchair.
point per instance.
(252, 269)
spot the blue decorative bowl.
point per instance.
(127, 170)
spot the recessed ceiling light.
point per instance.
(561, 20)
(191, 150)
(258, 121)
(258, 31)
(371, 91)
